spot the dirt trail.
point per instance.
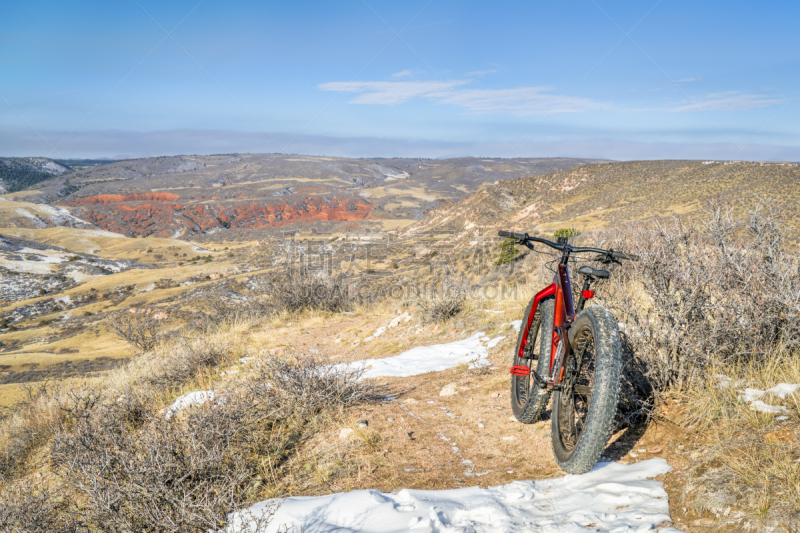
(422, 439)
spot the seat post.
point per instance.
(587, 281)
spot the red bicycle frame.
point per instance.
(564, 314)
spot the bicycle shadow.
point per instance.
(625, 442)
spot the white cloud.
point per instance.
(729, 101)
(402, 74)
(519, 101)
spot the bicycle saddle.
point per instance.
(586, 270)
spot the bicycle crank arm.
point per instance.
(522, 371)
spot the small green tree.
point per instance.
(570, 233)
(508, 252)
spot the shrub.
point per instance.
(184, 475)
(445, 300)
(133, 469)
(307, 387)
(185, 357)
(295, 292)
(719, 289)
(31, 506)
(138, 327)
(570, 233)
(508, 252)
(27, 427)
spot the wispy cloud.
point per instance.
(518, 101)
(402, 74)
(480, 73)
(729, 101)
(393, 92)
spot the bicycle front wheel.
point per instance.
(584, 408)
(528, 401)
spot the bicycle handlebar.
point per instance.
(518, 236)
(524, 238)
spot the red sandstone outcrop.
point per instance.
(161, 214)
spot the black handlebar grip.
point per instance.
(629, 257)
(511, 235)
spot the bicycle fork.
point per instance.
(561, 343)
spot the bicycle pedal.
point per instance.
(520, 370)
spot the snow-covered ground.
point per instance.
(44, 215)
(612, 497)
(29, 267)
(752, 396)
(189, 400)
(45, 256)
(473, 351)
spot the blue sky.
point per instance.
(594, 78)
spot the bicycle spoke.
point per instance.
(577, 390)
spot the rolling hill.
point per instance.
(600, 196)
(246, 195)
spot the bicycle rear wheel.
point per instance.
(528, 401)
(584, 408)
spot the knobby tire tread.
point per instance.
(605, 394)
(538, 398)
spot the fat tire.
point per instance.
(605, 393)
(531, 410)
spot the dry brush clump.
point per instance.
(27, 427)
(717, 289)
(138, 326)
(308, 387)
(443, 298)
(294, 292)
(32, 506)
(125, 466)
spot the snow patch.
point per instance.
(494, 342)
(516, 324)
(101, 233)
(378, 332)
(405, 317)
(424, 359)
(612, 497)
(189, 400)
(780, 390)
(31, 267)
(45, 256)
(758, 405)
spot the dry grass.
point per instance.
(124, 466)
(752, 461)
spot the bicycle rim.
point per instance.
(524, 384)
(576, 392)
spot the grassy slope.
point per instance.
(604, 195)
